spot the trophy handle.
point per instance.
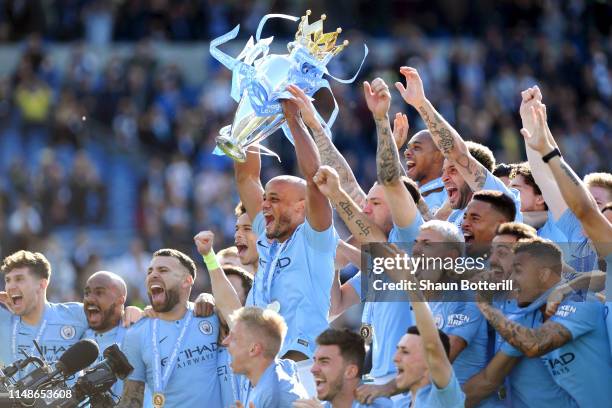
(228, 147)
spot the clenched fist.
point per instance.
(204, 242)
(327, 180)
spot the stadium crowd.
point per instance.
(477, 147)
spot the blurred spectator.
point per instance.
(132, 266)
(113, 149)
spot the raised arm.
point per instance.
(248, 182)
(330, 156)
(443, 134)
(488, 381)
(541, 172)
(363, 230)
(531, 342)
(133, 394)
(574, 192)
(318, 210)
(440, 367)
(388, 167)
(226, 298)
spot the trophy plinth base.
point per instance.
(228, 147)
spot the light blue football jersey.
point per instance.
(300, 281)
(463, 319)
(381, 402)
(278, 387)
(389, 320)
(104, 341)
(583, 366)
(530, 371)
(434, 199)
(62, 325)
(194, 379)
(451, 396)
(231, 383)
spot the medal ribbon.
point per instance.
(39, 335)
(161, 379)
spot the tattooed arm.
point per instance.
(330, 156)
(133, 394)
(488, 381)
(443, 134)
(388, 167)
(531, 342)
(363, 230)
(576, 195)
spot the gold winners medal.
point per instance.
(367, 331)
(158, 400)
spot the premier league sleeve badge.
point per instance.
(367, 331)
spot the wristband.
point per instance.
(210, 259)
(546, 158)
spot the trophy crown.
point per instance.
(321, 45)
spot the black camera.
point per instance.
(45, 387)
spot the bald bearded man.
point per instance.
(104, 302)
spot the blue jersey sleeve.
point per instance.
(355, 282)
(406, 235)
(259, 224)
(77, 312)
(579, 317)
(464, 322)
(132, 348)
(570, 226)
(324, 241)
(509, 350)
(449, 396)
(382, 402)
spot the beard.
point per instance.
(465, 195)
(281, 227)
(334, 389)
(108, 319)
(172, 299)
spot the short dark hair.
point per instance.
(36, 262)
(351, 345)
(523, 169)
(482, 154)
(412, 188)
(503, 170)
(500, 201)
(240, 210)
(543, 250)
(443, 338)
(245, 277)
(517, 230)
(185, 260)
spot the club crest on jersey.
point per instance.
(67, 332)
(206, 327)
(439, 321)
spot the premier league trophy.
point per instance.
(259, 81)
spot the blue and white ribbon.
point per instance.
(306, 72)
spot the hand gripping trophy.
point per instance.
(259, 81)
